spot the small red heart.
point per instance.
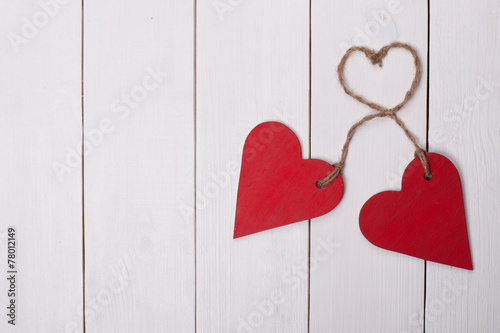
(277, 187)
(426, 219)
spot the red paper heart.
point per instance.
(277, 187)
(426, 219)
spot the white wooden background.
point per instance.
(135, 234)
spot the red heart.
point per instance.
(277, 187)
(426, 219)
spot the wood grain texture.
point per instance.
(362, 288)
(464, 124)
(139, 178)
(252, 67)
(40, 115)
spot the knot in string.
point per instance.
(331, 176)
(376, 59)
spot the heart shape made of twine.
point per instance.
(376, 59)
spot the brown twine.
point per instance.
(376, 59)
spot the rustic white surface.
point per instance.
(40, 116)
(157, 262)
(465, 126)
(139, 245)
(362, 288)
(253, 66)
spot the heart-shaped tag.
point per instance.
(277, 187)
(426, 219)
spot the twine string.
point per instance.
(376, 59)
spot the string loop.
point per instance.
(376, 59)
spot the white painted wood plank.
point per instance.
(40, 114)
(252, 66)
(140, 174)
(464, 126)
(362, 288)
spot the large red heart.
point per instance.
(277, 187)
(426, 219)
